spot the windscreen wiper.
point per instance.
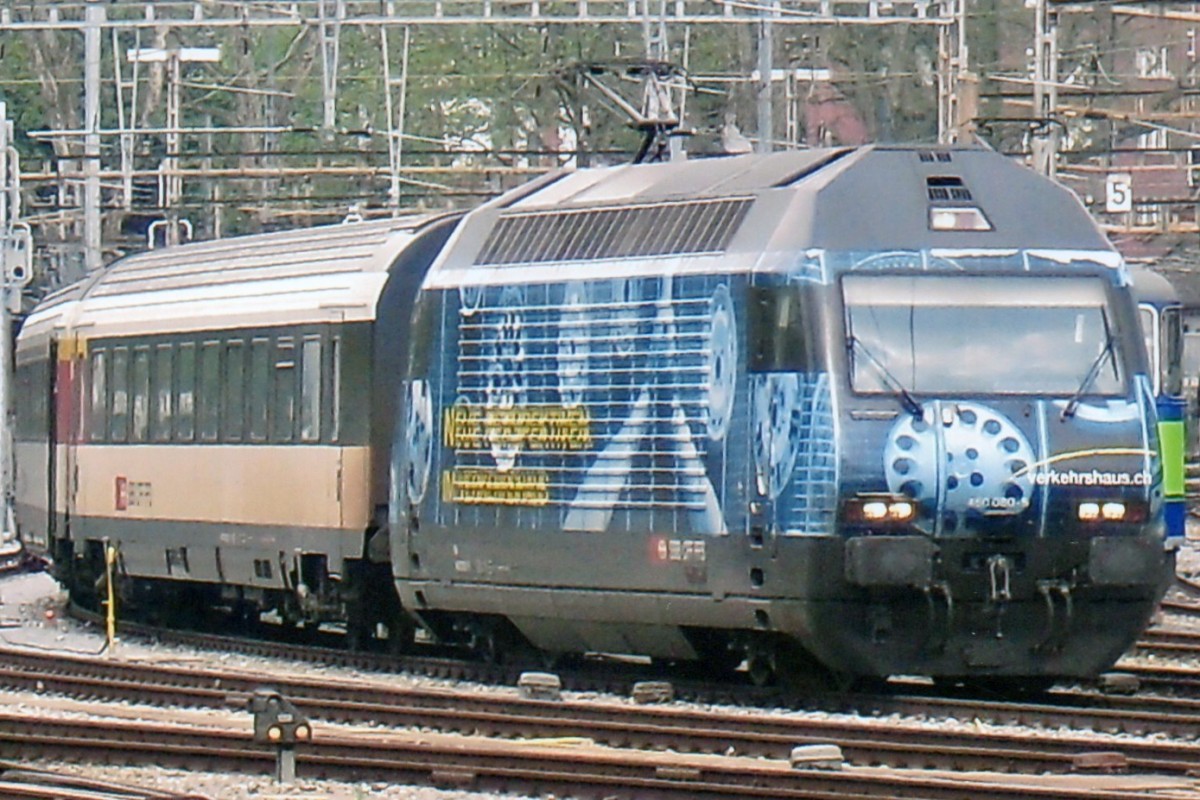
(910, 403)
(1105, 353)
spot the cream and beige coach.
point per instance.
(221, 413)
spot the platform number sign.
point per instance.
(1118, 193)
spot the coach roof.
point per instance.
(289, 277)
(263, 258)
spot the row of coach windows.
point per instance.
(255, 389)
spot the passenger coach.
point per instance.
(221, 413)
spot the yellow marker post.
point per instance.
(110, 559)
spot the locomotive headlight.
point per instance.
(967, 218)
(901, 510)
(875, 510)
(1113, 511)
(881, 509)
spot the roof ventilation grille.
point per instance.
(946, 188)
(670, 228)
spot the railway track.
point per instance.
(18, 781)
(1172, 714)
(582, 770)
(870, 747)
(863, 740)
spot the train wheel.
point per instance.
(761, 670)
(494, 640)
(382, 629)
(762, 665)
(718, 654)
(85, 580)
(375, 620)
(399, 630)
(786, 664)
(244, 616)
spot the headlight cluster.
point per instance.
(1110, 511)
(881, 509)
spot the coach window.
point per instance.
(209, 391)
(119, 420)
(185, 408)
(234, 394)
(98, 419)
(285, 389)
(310, 391)
(161, 405)
(260, 386)
(335, 388)
(141, 394)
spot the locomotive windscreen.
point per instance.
(957, 335)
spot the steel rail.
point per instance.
(864, 741)
(499, 765)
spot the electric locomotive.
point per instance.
(837, 412)
(1161, 315)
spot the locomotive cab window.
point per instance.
(780, 337)
(965, 335)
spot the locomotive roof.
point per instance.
(290, 276)
(740, 208)
(869, 196)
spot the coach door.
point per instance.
(51, 421)
(66, 397)
(67, 390)
(34, 448)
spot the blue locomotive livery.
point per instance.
(856, 412)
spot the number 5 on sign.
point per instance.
(1118, 194)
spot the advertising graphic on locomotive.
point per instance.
(850, 411)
